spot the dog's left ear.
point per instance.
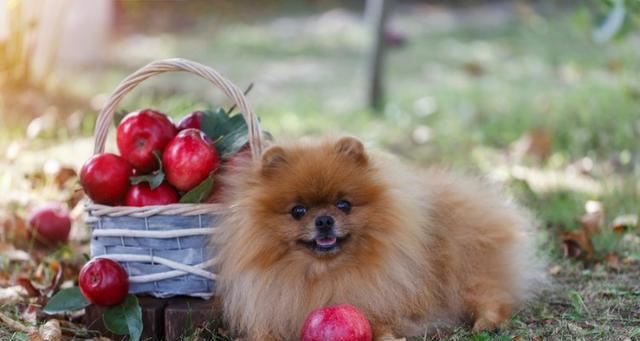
(352, 148)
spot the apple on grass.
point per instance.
(50, 224)
(336, 323)
(103, 282)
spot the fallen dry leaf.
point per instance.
(34, 335)
(32, 291)
(613, 261)
(15, 229)
(536, 143)
(30, 314)
(51, 331)
(624, 223)
(474, 68)
(554, 270)
(9, 252)
(577, 244)
(13, 294)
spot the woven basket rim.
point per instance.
(97, 210)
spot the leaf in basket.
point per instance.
(66, 300)
(154, 179)
(125, 318)
(229, 133)
(199, 193)
(214, 123)
(118, 116)
(232, 142)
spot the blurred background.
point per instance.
(543, 96)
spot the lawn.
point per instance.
(519, 93)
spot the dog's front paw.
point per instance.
(483, 324)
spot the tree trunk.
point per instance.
(376, 13)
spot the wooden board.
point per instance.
(164, 319)
(183, 316)
(152, 319)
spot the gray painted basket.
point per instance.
(164, 249)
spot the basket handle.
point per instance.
(178, 64)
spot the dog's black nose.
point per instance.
(324, 223)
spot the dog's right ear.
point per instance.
(272, 158)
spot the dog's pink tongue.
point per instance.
(326, 241)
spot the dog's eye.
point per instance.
(298, 211)
(344, 206)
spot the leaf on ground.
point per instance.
(577, 244)
(30, 314)
(613, 261)
(624, 223)
(474, 68)
(26, 283)
(536, 143)
(8, 251)
(555, 269)
(66, 300)
(13, 294)
(125, 318)
(51, 331)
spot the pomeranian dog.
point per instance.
(319, 224)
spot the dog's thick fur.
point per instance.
(426, 248)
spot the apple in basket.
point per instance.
(103, 282)
(189, 159)
(105, 178)
(142, 195)
(141, 133)
(192, 120)
(342, 322)
(50, 224)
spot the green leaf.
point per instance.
(66, 300)
(199, 193)
(125, 318)
(229, 133)
(232, 142)
(154, 179)
(214, 123)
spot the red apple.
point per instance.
(50, 223)
(103, 281)
(140, 134)
(189, 159)
(342, 322)
(143, 195)
(105, 178)
(192, 120)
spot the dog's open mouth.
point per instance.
(324, 244)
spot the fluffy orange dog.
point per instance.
(312, 225)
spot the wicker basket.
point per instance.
(164, 249)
